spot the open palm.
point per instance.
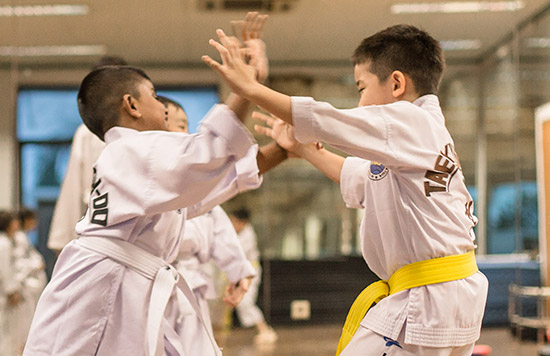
(278, 130)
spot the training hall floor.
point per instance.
(321, 340)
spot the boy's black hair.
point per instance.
(6, 217)
(407, 49)
(167, 101)
(25, 214)
(241, 213)
(101, 93)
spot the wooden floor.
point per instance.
(321, 340)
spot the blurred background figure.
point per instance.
(30, 274)
(248, 312)
(11, 290)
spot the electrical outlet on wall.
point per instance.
(300, 309)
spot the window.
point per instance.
(46, 122)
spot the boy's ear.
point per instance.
(399, 83)
(131, 106)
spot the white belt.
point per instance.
(165, 277)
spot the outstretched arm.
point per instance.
(241, 78)
(327, 162)
(269, 156)
(250, 31)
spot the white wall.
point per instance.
(8, 148)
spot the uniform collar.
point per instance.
(428, 99)
(114, 133)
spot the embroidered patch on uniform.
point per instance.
(377, 171)
(390, 342)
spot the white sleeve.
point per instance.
(8, 279)
(352, 181)
(151, 172)
(21, 257)
(399, 134)
(242, 177)
(195, 239)
(226, 249)
(249, 242)
(69, 206)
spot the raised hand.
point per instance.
(279, 131)
(250, 31)
(234, 70)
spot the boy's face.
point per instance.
(371, 90)
(153, 111)
(176, 121)
(13, 227)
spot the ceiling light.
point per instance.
(51, 51)
(43, 10)
(538, 42)
(456, 7)
(460, 45)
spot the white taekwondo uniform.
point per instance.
(146, 184)
(209, 237)
(9, 284)
(74, 193)
(247, 311)
(407, 177)
(31, 276)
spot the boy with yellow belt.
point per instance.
(406, 175)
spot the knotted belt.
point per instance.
(164, 277)
(416, 274)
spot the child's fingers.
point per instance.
(269, 120)
(224, 39)
(223, 51)
(237, 28)
(212, 63)
(249, 19)
(257, 26)
(262, 130)
(231, 45)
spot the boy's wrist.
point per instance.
(249, 90)
(306, 150)
(283, 150)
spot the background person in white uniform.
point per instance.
(247, 310)
(30, 272)
(405, 175)
(11, 290)
(209, 237)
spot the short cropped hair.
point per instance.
(407, 49)
(101, 93)
(241, 213)
(6, 218)
(167, 101)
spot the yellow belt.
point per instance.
(421, 273)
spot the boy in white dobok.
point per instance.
(113, 291)
(417, 231)
(248, 312)
(211, 237)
